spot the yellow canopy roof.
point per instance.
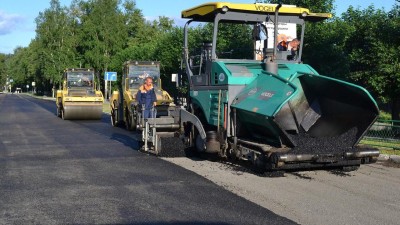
(206, 12)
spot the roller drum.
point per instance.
(82, 111)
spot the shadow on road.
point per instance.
(176, 223)
(102, 126)
(126, 140)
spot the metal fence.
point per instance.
(384, 133)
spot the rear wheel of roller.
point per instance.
(130, 121)
(58, 112)
(63, 114)
(114, 113)
(158, 145)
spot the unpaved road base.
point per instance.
(370, 195)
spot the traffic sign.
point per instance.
(33, 83)
(110, 76)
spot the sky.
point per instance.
(17, 17)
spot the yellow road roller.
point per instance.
(79, 98)
(123, 104)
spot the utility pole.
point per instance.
(105, 89)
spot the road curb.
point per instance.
(41, 97)
(49, 99)
(54, 99)
(386, 157)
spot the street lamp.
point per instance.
(11, 80)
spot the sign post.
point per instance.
(109, 76)
(105, 88)
(33, 86)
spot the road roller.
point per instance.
(262, 105)
(79, 98)
(164, 123)
(123, 104)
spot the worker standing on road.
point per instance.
(146, 97)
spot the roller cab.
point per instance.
(79, 98)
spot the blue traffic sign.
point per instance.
(110, 76)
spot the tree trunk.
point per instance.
(396, 116)
(396, 108)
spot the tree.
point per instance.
(55, 44)
(361, 46)
(168, 51)
(3, 71)
(313, 5)
(104, 33)
(373, 48)
(18, 67)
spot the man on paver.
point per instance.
(146, 97)
(291, 46)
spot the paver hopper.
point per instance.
(308, 118)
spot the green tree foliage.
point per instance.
(103, 33)
(134, 21)
(54, 43)
(235, 41)
(18, 67)
(360, 46)
(374, 52)
(3, 71)
(313, 5)
(168, 51)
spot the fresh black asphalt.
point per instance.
(88, 172)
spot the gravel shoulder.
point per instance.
(369, 195)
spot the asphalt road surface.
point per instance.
(88, 172)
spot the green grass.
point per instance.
(106, 107)
(384, 115)
(388, 151)
(390, 148)
(394, 145)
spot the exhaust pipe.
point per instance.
(290, 158)
(297, 158)
(363, 154)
